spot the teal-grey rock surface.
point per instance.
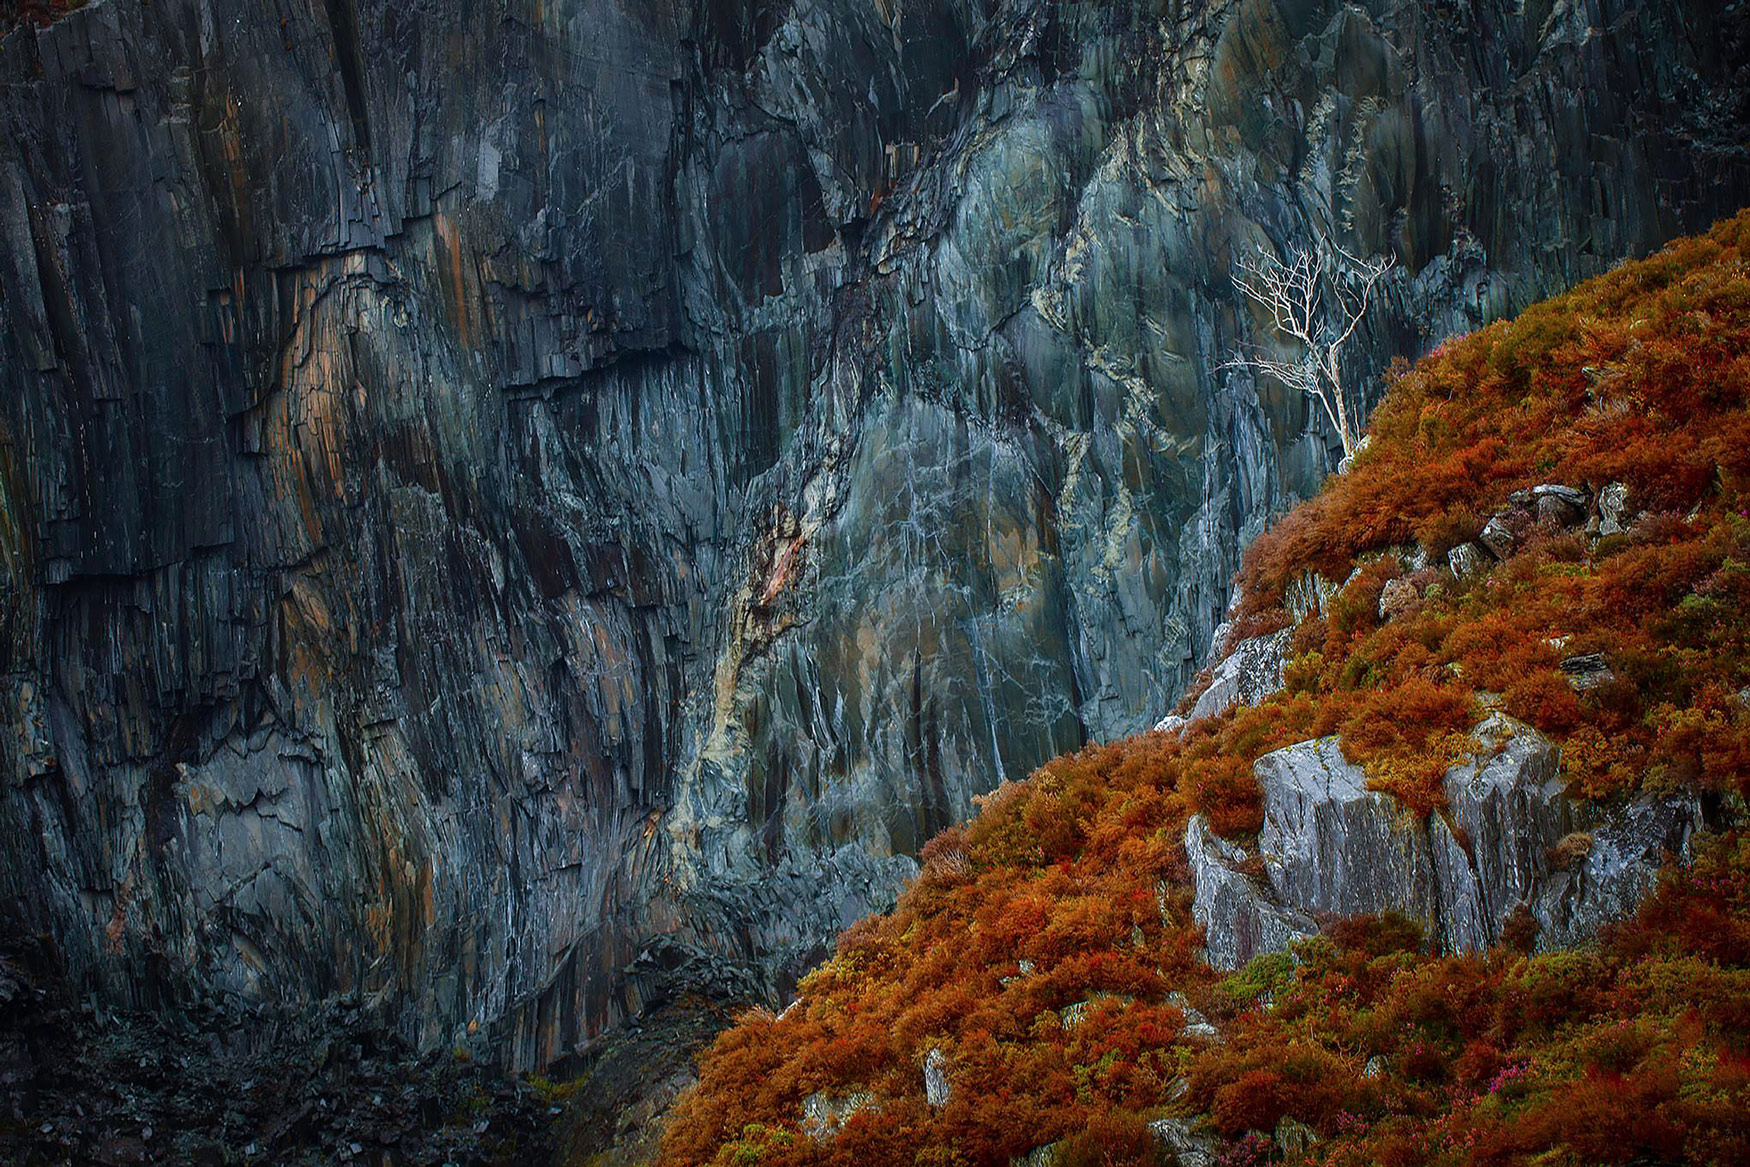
(512, 509)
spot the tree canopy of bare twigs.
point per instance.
(1317, 296)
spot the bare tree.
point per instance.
(1317, 296)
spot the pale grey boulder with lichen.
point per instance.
(1247, 675)
(1628, 845)
(1240, 916)
(1511, 808)
(938, 1091)
(1333, 847)
(1509, 841)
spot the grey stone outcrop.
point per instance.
(1333, 847)
(938, 1091)
(1247, 675)
(1241, 917)
(1510, 839)
(1613, 513)
(1182, 1144)
(1466, 560)
(1560, 505)
(1307, 595)
(824, 1115)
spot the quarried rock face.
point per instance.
(510, 508)
(1330, 847)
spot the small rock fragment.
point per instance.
(1587, 671)
(1500, 534)
(937, 1089)
(1397, 598)
(1196, 1024)
(1465, 560)
(1171, 723)
(1613, 509)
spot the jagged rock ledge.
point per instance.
(1510, 839)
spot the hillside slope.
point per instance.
(1039, 994)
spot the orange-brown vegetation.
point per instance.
(1047, 900)
(39, 12)
(1042, 947)
(1641, 378)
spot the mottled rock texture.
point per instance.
(1247, 675)
(512, 508)
(1508, 841)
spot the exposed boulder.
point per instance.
(1247, 675)
(1503, 532)
(1332, 846)
(1587, 671)
(1562, 505)
(1575, 865)
(1514, 842)
(1613, 509)
(1510, 809)
(1239, 914)
(825, 1115)
(1307, 595)
(937, 1089)
(1197, 1025)
(1412, 556)
(1181, 1144)
(1622, 861)
(1466, 560)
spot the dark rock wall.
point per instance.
(508, 506)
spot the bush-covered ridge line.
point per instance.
(1040, 986)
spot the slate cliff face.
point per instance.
(511, 507)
